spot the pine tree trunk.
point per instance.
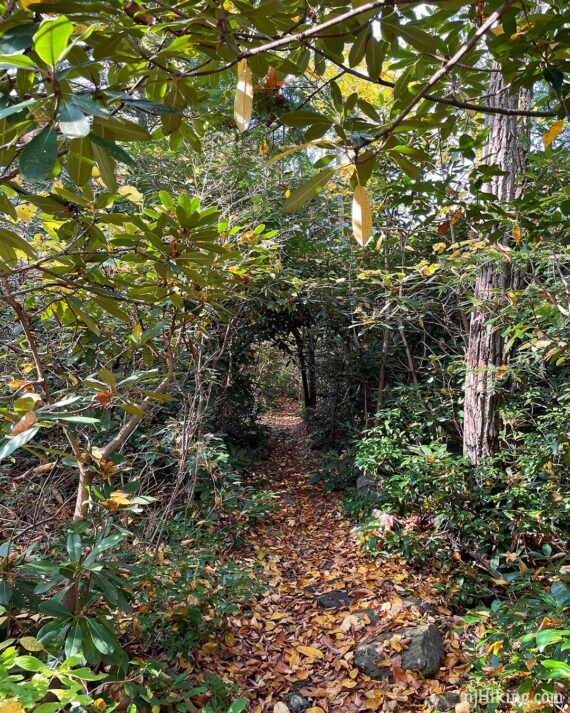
(507, 147)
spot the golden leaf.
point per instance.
(517, 233)
(25, 4)
(12, 707)
(361, 215)
(131, 193)
(310, 651)
(552, 133)
(243, 103)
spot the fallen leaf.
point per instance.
(310, 651)
(25, 423)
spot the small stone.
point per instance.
(444, 701)
(333, 600)
(315, 478)
(424, 652)
(298, 703)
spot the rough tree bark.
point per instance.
(507, 148)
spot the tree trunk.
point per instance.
(507, 148)
(382, 374)
(311, 370)
(302, 367)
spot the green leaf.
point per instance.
(18, 38)
(12, 240)
(412, 35)
(358, 49)
(303, 193)
(38, 158)
(54, 608)
(74, 641)
(18, 441)
(238, 706)
(74, 547)
(28, 663)
(15, 108)
(51, 40)
(150, 107)
(73, 122)
(550, 636)
(304, 118)
(102, 639)
(375, 53)
(113, 149)
(17, 61)
(558, 669)
(79, 161)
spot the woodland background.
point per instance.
(208, 207)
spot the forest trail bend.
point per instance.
(288, 639)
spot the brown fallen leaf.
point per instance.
(25, 423)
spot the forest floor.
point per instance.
(285, 641)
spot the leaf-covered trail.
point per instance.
(285, 640)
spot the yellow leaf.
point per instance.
(361, 215)
(13, 707)
(131, 193)
(26, 212)
(349, 683)
(29, 642)
(25, 4)
(310, 651)
(243, 102)
(517, 233)
(552, 133)
(264, 147)
(230, 638)
(314, 709)
(438, 248)
(496, 647)
(209, 647)
(280, 708)
(100, 704)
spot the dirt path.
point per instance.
(288, 641)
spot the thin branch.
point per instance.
(447, 67)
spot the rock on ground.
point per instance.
(444, 701)
(298, 703)
(369, 486)
(424, 652)
(333, 600)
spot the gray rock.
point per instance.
(315, 478)
(444, 701)
(367, 616)
(369, 486)
(424, 652)
(419, 604)
(333, 600)
(298, 703)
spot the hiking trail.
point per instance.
(322, 599)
